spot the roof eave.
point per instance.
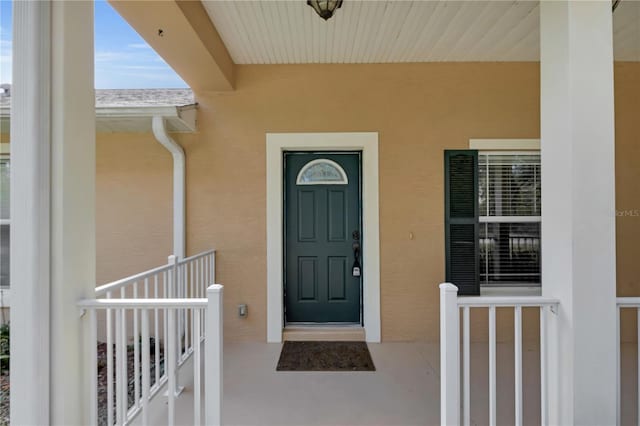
(137, 119)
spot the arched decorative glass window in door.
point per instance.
(322, 172)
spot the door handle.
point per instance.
(356, 270)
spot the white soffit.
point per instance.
(131, 119)
(387, 31)
(138, 119)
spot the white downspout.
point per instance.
(160, 132)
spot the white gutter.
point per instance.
(160, 132)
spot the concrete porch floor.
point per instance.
(403, 391)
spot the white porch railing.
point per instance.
(152, 323)
(627, 303)
(453, 399)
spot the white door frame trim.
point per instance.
(367, 142)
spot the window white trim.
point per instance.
(277, 143)
(344, 179)
(491, 291)
(509, 219)
(505, 144)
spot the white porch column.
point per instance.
(578, 208)
(53, 189)
(30, 195)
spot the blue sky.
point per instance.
(123, 60)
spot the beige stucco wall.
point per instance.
(627, 97)
(418, 109)
(133, 204)
(627, 104)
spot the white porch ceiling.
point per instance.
(382, 31)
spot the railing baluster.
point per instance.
(205, 278)
(187, 324)
(517, 348)
(618, 366)
(213, 353)
(176, 293)
(196, 368)
(124, 394)
(466, 367)
(492, 365)
(180, 314)
(171, 364)
(165, 284)
(196, 276)
(213, 267)
(165, 330)
(156, 334)
(136, 353)
(119, 409)
(210, 260)
(146, 367)
(109, 365)
(544, 395)
(202, 285)
(193, 294)
(93, 370)
(638, 360)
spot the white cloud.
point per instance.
(144, 67)
(109, 56)
(141, 68)
(138, 46)
(6, 61)
(152, 76)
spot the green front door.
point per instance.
(323, 261)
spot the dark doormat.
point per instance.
(325, 356)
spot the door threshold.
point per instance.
(326, 332)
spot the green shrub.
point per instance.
(4, 346)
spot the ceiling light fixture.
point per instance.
(325, 8)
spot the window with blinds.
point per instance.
(509, 203)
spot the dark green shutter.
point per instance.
(461, 220)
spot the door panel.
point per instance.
(308, 279)
(336, 215)
(337, 278)
(307, 222)
(320, 223)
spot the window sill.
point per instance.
(511, 291)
